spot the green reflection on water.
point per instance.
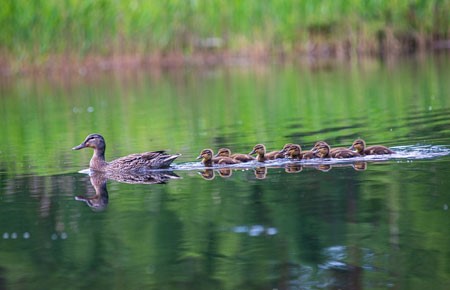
(383, 227)
(186, 112)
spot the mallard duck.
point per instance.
(262, 155)
(208, 158)
(225, 152)
(131, 163)
(294, 151)
(360, 146)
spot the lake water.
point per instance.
(374, 223)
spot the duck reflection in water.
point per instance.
(99, 201)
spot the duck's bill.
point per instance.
(81, 146)
(351, 148)
(253, 152)
(199, 157)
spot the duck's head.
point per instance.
(206, 155)
(358, 145)
(293, 151)
(321, 149)
(259, 149)
(223, 152)
(95, 141)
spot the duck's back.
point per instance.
(142, 161)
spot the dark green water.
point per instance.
(384, 226)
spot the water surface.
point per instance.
(372, 223)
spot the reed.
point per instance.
(33, 30)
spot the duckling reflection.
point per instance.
(360, 166)
(323, 167)
(293, 168)
(225, 172)
(99, 201)
(207, 174)
(260, 172)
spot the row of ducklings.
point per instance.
(321, 149)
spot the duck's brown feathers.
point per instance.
(131, 163)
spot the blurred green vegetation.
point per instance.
(31, 30)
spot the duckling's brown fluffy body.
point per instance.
(262, 155)
(225, 152)
(360, 146)
(208, 158)
(294, 151)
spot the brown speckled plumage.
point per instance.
(225, 152)
(208, 159)
(293, 151)
(262, 155)
(133, 163)
(360, 146)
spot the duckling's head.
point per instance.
(286, 148)
(321, 149)
(223, 152)
(293, 151)
(259, 149)
(95, 141)
(359, 145)
(206, 155)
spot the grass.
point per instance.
(31, 31)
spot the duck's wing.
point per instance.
(139, 161)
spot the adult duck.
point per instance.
(133, 163)
(360, 146)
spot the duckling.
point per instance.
(282, 152)
(360, 146)
(294, 151)
(208, 158)
(131, 163)
(321, 150)
(338, 152)
(262, 155)
(225, 152)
